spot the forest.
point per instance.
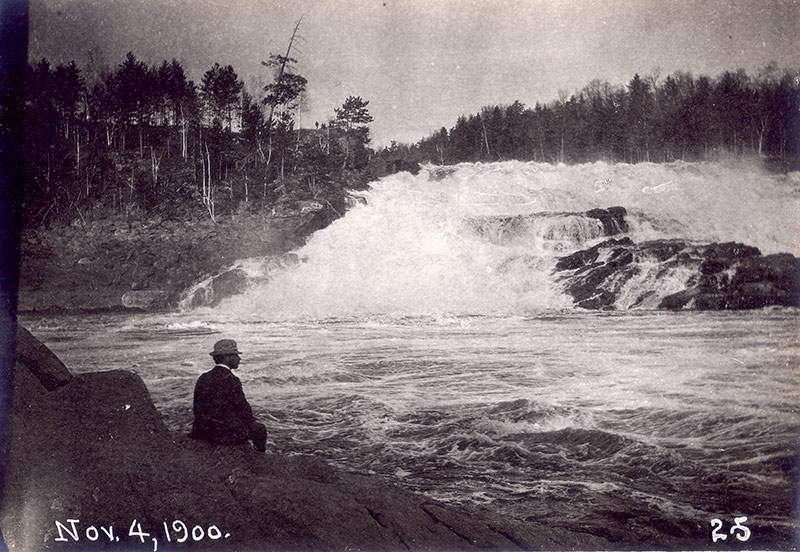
(146, 140)
(680, 117)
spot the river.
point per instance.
(397, 347)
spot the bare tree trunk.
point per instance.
(485, 138)
(280, 76)
(203, 176)
(281, 71)
(184, 148)
(260, 149)
(131, 187)
(208, 189)
(346, 149)
(155, 162)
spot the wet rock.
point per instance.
(729, 252)
(296, 208)
(138, 285)
(437, 173)
(236, 280)
(40, 361)
(719, 276)
(145, 299)
(587, 285)
(352, 200)
(584, 258)
(677, 301)
(549, 226)
(228, 283)
(661, 250)
(401, 165)
(612, 219)
(740, 278)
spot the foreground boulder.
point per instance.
(676, 274)
(91, 465)
(40, 361)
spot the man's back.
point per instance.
(221, 411)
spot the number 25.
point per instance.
(742, 532)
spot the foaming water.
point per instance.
(451, 241)
(639, 426)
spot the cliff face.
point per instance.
(90, 464)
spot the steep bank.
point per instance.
(132, 263)
(89, 461)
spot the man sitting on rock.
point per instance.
(222, 414)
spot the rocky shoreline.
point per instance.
(147, 264)
(91, 465)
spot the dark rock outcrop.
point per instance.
(612, 219)
(95, 451)
(438, 174)
(156, 299)
(588, 285)
(225, 284)
(235, 280)
(744, 281)
(40, 361)
(719, 276)
(553, 226)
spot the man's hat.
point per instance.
(225, 347)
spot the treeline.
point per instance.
(650, 119)
(139, 139)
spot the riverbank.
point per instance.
(147, 263)
(91, 465)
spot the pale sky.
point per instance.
(422, 63)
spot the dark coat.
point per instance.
(221, 412)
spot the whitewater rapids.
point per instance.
(435, 243)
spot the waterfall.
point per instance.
(485, 238)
